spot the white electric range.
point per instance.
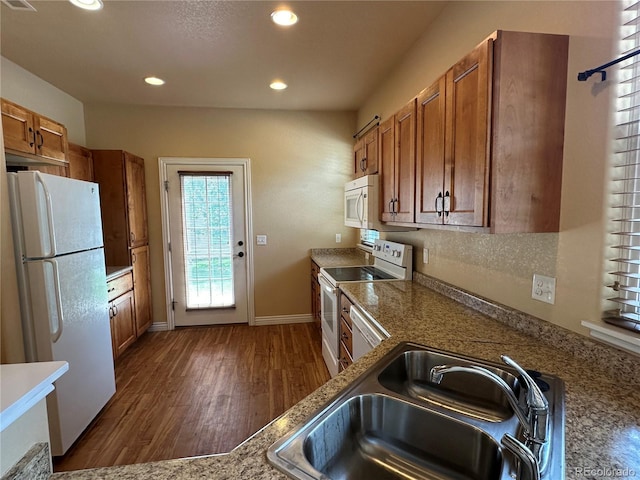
(392, 261)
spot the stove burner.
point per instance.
(357, 274)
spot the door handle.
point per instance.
(47, 200)
(39, 135)
(447, 203)
(57, 333)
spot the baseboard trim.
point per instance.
(158, 327)
(284, 319)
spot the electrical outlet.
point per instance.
(544, 289)
(261, 239)
(425, 255)
(338, 238)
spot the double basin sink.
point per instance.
(393, 422)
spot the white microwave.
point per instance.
(362, 205)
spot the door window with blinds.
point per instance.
(625, 281)
(207, 214)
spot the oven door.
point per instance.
(329, 323)
(355, 208)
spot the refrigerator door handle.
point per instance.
(55, 334)
(47, 198)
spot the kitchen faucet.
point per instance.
(534, 417)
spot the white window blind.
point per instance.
(368, 237)
(626, 179)
(207, 239)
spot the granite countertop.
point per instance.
(115, 272)
(340, 257)
(602, 383)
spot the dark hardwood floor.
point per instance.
(198, 391)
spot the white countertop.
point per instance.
(22, 385)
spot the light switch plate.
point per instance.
(544, 289)
(338, 237)
(425, 255)
(261, 239)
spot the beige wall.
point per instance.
(24, 88)
(500, 267)
(299, 163)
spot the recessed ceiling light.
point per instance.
(88, 4)
(278, 85)
(284, 17)
(154, 81)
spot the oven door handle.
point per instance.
(326, 285)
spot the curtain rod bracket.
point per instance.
(583, 76)
(367, 126)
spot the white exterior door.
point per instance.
(207, 225)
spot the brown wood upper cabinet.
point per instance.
(123, 201)
(453, 159)
(365, 154)
(491, 134)
(397, 149)
(80, 163)
(30, 135)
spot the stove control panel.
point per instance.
(395, 253)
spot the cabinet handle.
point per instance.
(110, 311)
(345, 336)
(447, 204)
(32, 133)
(39, 135)
(115, 310)
(363, 164)
(345, 310)
(133, 257)
(395, 204)
(439, 200)
(109, 290)
(132, 236)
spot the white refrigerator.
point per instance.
(63, 295)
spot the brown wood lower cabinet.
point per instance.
(141, 288)
(121, 313)
(315, 295)
(346, 335)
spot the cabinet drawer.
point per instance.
(346, 337)
(345, 358)
(119, 285)
(345, 307)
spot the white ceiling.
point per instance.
(216, 53)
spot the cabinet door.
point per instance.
(141, 288)
(80, 163)
(358, 158)
(386, 150)
(136, 200)
(371, 152)
(122, 323)
(467, 147)
(405, 163)
(51, 138)
(430, 153)
(18, 129)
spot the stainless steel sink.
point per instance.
(375, 436)
(392, 423)
(472, 395)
